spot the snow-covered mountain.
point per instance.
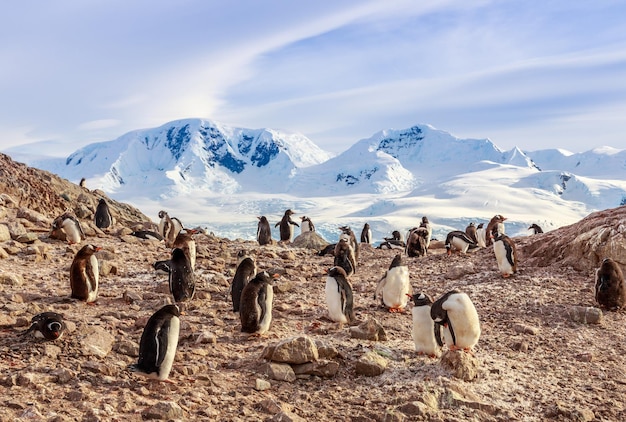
(222, 178)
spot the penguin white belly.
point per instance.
(463, 317)
(264, 323)
(480, 237)
(192, 254)
(424, 331)
(333, 301)
(72, 232)
(172, 343)
(505, 267)
(460, 244)
(305, 227)
(92, 290)
(396, 287)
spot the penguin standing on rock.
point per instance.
(394, 286)
(456, 314)
(84, 274)
(181, 277)
(423, 332)
(610, 287)
(246, 270)
(263, 231)
(535, 228)
(286, 226)
(366, 234)
(307, 225)
(339, 297)
(344, 256)
(103, 218)
(157, 347)
(47, 326)
(69, 224)
(257, 299)
(506, 254)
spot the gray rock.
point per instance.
(525, 329)
(369, 330)
(454, 399)
(278, 371)
(96, 341)
(27, 238)
(16, 229)
(371, 364)
(262, 385)
(5, 234)
(325, 350)
(285, 416)
(8, 279)
(295, 350)
(462, 364)
(34, 217)
(167, 410)
(321, 368)
(584, 314)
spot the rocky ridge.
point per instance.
(537, 359)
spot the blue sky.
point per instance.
(532, 74)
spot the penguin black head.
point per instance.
(162, 214)
(47, 325)
(425, 220)
(421, 299)
(337, 271)
(397, 261)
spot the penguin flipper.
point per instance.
(438, 334)
(162, 343)
(262, 301)
(381, 286)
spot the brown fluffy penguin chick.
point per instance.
(84, 274)
(610, 287)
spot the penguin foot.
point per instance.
(506, 275)
(396, 310)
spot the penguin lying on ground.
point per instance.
(85, 274)
(157, 347)
(424, 327)
(393, 288)
(47, 325)
(147, 234)
(460, 241)
(255, 309)
(339, 297)
(610, 288)
(393, 242)
(456, 314)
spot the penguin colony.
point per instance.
(451, 320)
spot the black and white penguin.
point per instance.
(157, 347)
(103, 217)
(416, 242)
(162, 267)
(83, 183)
(506, 254)
(344, 256)
(366, 234)
(185, 241)
(339, 297)
(423, 331)
(169, 228)
(610, 287)
(47, 326)
(481, 236)
(535, 228)
(347, 231)
(390, 243)
(495, 226)
(307, 224)
(255, 310)
(328, 250)
(263, 231)
(459, 240)
(470, 231)
(246, 270)
(70, 225)
(286, 226)
(181, 277)
(456, 314)
(429, 228)
(84, 274)
(394, 287)
(147, 234)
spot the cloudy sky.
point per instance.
(534, 74)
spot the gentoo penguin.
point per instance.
(344, 256)
(395, 235)
(181, 278)
(185, 241)
(423, 332)
(162, 267)
(47, 325)
(158, 343)
(506, 254)
(263, 231)
(459, 240)
(535, 228)
(390, 243)
(394, 286)
(347, 231)
(84, 274)
(82, 183)
(307, 225)
(416, 242)
(103, 218)
(70, 226)
(328, 250)
(339, 298)
(429, 228)
(455, 312)
(147, 234)
(610, 287)
(168, 228)
(246, 270)
(493, 227)
(470, 231)
(286, 226)
(255, 310)
(366, 234)
(481, 236)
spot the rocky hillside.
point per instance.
(546, 352)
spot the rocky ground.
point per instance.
(536, 359)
